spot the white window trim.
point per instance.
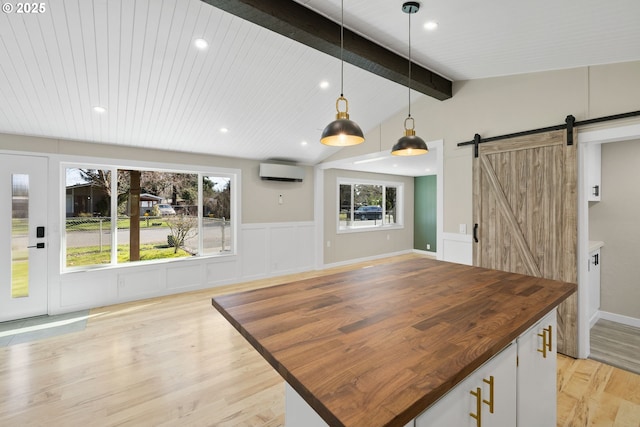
(399, 185)
(113, 165)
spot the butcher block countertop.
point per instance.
(377, 346)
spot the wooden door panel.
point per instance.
(525, 205)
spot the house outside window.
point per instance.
(144, 215)
(368, 205)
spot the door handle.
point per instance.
(37, 246)
(475, 232)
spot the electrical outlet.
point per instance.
(428, 246)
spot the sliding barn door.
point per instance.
(525, 208)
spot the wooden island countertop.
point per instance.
(377, 346)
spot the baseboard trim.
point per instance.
(365, 259)
(594, 319)
(619, 318)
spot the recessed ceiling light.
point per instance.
(99, 109)
(201, 44)
(224, 130)
(430, 25)
(427, 170)
(324, 84)
(303, 143)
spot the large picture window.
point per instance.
(364, 205)
(144, 215)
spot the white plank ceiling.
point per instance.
(137, 59)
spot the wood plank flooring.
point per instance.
(174, 361)
(616, 344)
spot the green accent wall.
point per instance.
(425, 213)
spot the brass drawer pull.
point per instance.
(478, 415)
(546, 336)
(490, 401)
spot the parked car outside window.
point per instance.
(367, 212)
(166, 210)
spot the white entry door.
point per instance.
(23, 236)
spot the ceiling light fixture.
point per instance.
(224, 130)
(99, 109)
(342, 132)
(410, 144)
(324, 84)
(430, 25)
(201, 44)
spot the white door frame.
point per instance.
(601, 136)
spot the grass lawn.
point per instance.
(91, 255)
(88, 256)
(19, 278)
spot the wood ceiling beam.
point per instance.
(303, 25)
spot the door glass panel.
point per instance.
(19, 235)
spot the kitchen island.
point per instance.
(379, 345)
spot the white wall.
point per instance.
(271, 239)
(501, 105)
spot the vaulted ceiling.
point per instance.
(137, 59)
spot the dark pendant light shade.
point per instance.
(342, 132)
(410, 144)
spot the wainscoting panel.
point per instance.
(184, 277)
(283, 249)
(264, 250)
(276, 249)
(85, 289)
(222, 271)
(254, 247)
(457, 248)
(140, 282)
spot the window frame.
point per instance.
(398, 185)
(113, 166)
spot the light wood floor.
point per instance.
(616, 344)
(174, 361)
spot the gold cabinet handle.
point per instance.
(478, 415)
(543, 350)
(549, 347)
(546, 336)
(490, 401)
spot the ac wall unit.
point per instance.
(281, 172)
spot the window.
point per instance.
(154, 215)
(88, 217)
(368, 205)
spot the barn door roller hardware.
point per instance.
(569, 124)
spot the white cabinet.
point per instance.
(594, 284)
(537, 364)
(487, 397)
(593, 171)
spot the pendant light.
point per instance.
(342, 132)
(410, 144)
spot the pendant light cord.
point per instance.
(341, 48)
(409, 85)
